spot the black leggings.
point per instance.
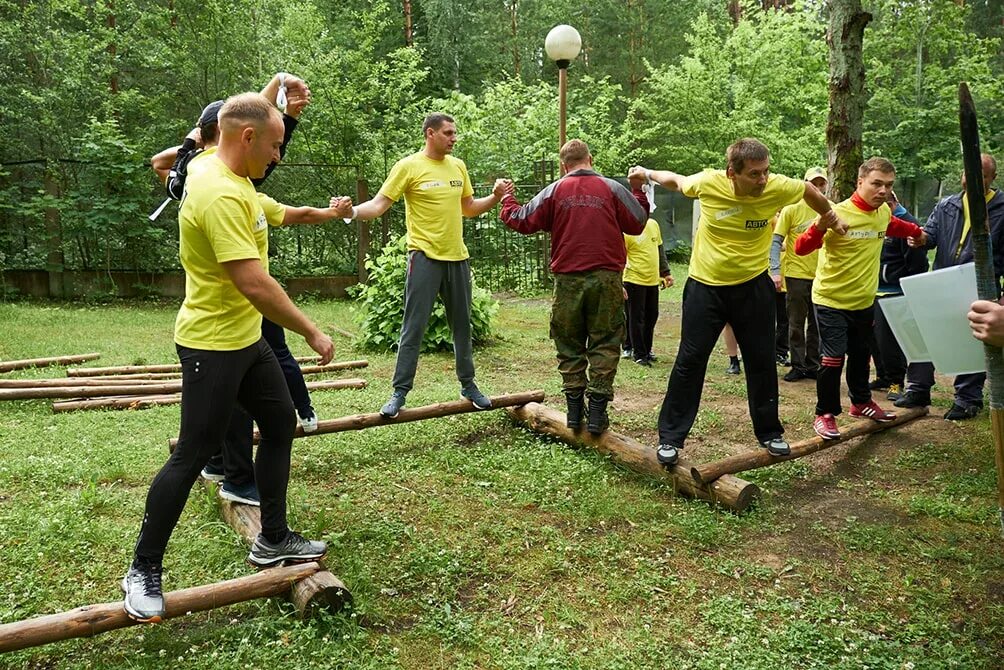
(212, 383)
(642, 312)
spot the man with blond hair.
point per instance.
(224, 359)
(587, 215)
(729, 283)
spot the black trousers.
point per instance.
(749, 308)
(890, 362)
(235, 458)
(803, 333)
(843, 333)
(642, 313)
(212, 383)
(781, 324)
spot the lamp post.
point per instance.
(562, 45)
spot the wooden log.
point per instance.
(333, 367)
(166, 388)
(145, 401)
(7, 366)
(360, 421)
(320, 590)
(749, 460)
(154, 376)
(93, 619)
(129, 369)
(341, 331)
(64, 381)
(731, 492)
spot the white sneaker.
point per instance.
(309, 424)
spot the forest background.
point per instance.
(93, 89)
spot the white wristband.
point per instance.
(648, 176)
(280, 95)
(355, 212)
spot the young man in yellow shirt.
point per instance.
(437, 195)
(844, 291)
(223, 226)
(645, 272)
(729, 283)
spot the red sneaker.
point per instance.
(825, 426)
(870, 410)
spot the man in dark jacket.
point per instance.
(587, 215)
(948, 231)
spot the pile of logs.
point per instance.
(131, 386)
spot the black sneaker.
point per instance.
(960, 413)
(627, 353)
(652, 358)
(246, 493)
(895, 392)
(643, 362)
(794, 375)
(477, 398)
(913, 399)
(393, 406)
(782, 359)
(733, 368)
(668, 454)
(879, 385)
(212, 473)
(144, 597)
(295, 548)
(776, 446)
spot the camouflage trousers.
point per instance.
(587, 325)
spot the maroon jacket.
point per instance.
(587, 215)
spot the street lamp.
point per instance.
(562, 45)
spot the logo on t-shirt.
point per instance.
(726, 213)
(456, 183)
(430, 184)
(260, 223)
(756, 224)
(866, 234)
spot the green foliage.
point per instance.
(383, 300)
(679, 252)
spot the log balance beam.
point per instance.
(7, 366)
(728, 491)
(176, 367)
(708, 473)
(90, 620)
(110, 390)
(360, 421)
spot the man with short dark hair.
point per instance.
(729, 283)
(587, 215)
(224, 359)
(437, 194)
(844, 292)
(948, 231)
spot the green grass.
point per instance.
(469, 542)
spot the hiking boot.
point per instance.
(878, 385)
(246, 494)
(477, 398)
(627, 353)
(733, 368)
(668, 454)
(960, 413)
(574, 404)
(914, 399)
(294, 548)
(394, 405)
(794, 375)
(825, 426)
(870, 410)
(776, 446)
(598, 419)
(144, 597)
(308, 420)
(895, 392)
(644, 362)
(212, 473)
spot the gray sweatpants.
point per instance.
(427, 279)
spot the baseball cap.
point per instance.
(209, 114)
(814, 172)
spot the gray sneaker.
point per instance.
(393, 406)
(294, 548)
(144, 598)
(478, 399)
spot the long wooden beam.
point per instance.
(360, 421)
(60, 382)
(731, 492)
(7, 366)
(93, 619)
(176, 367)
(165, 388)
(749, 460)
(306, 370)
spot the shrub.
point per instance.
(383, 299)
(678, 251)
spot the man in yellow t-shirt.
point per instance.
(798, 273)
(645, 272)
(729, 283)
(224, 359)
(437, 195)
(844, 292)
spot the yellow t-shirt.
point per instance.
(432, 193)
(792, 222)
(732, 244)
(848, 273)
(642, 266)
(200, 160)
(221, 219)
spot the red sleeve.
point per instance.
(526, 219)
(809, 241)
(901, 228)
